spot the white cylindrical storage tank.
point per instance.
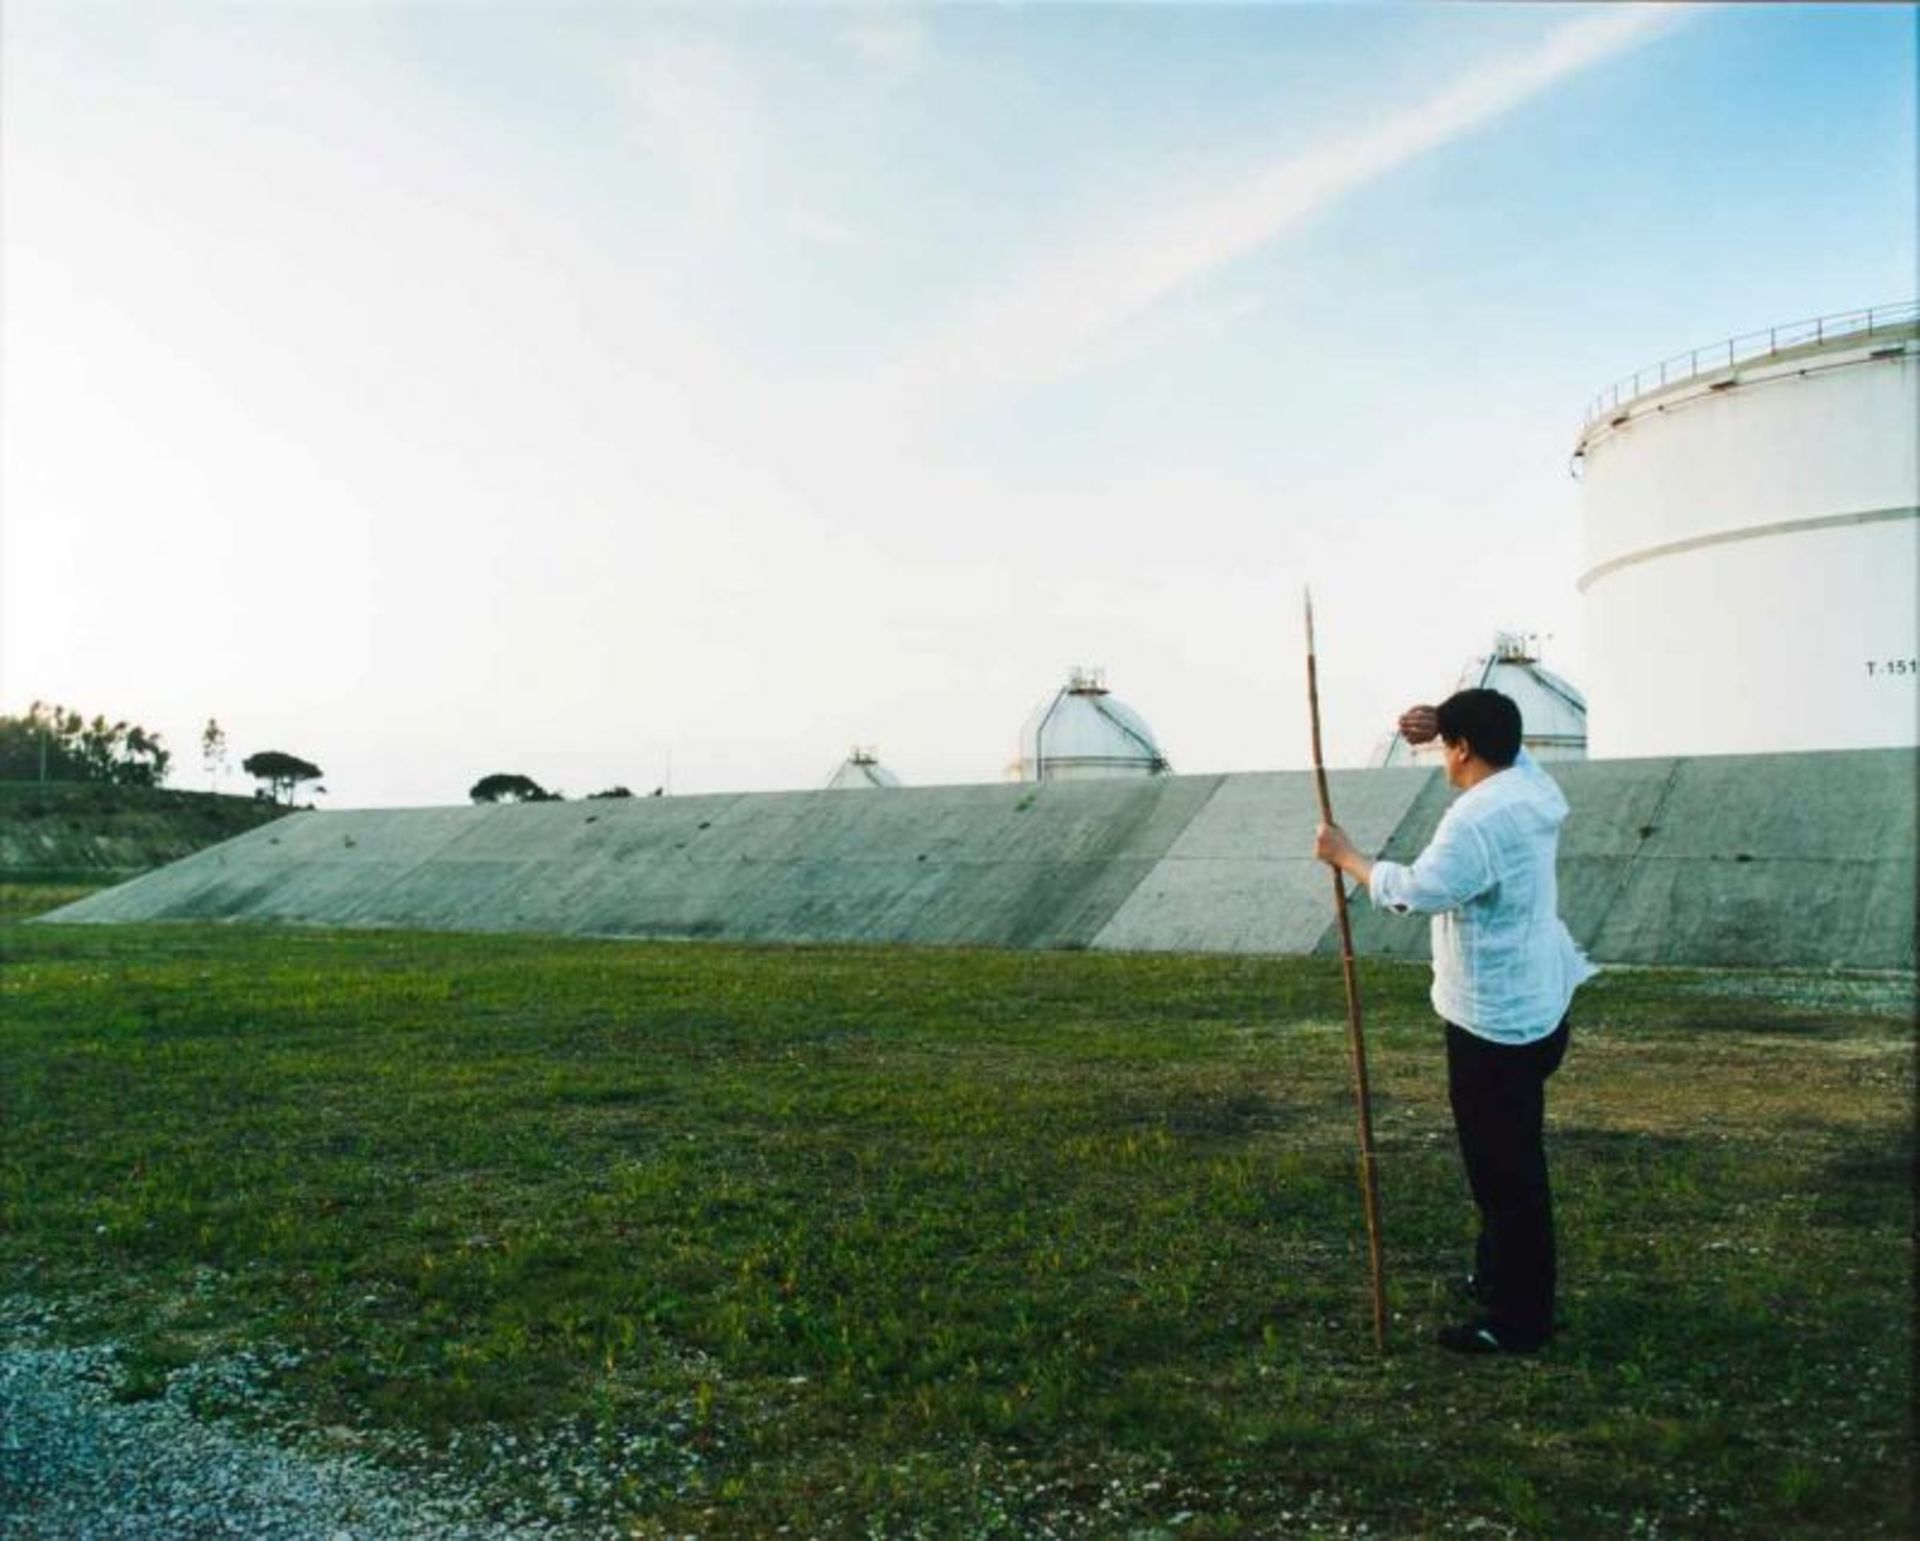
(1082, 733)
(1752, 545)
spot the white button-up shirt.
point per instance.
(1504, 967)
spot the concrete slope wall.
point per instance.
(1800, 860)
(1242, 878)
(1003, 866)
(1795, 860)
(1755, 859)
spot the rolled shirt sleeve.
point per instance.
(1455, 867)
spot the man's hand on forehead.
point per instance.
(1419, 724)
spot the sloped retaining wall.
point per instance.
(1777, 860)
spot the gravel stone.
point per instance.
(76, 1463)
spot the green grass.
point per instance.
(896, 1242)
(22, 898)
(59, 798)
(72, 833)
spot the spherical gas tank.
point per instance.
(1081, 733)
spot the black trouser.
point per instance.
(1498, 1092)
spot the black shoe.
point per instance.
(1480, 1337)
(1471, 1287)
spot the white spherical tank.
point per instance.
(861, 771)
(1752, 545)
(1081, 733)
(1553, 713)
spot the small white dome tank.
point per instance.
(861, 771)
(1752, 543)
(1082, 732)
(1553, 713)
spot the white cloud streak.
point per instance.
(1046, 325)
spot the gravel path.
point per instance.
(96, 1444)
(75, 1462)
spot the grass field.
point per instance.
(727, 1241)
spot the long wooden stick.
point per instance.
(1369, 1178)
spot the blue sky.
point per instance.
(583, 391)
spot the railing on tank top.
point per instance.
(1850, 325)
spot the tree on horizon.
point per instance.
(56, 743)
(213, 750)
(280, 771)
(510, 787)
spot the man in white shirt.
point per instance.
(1504, 973)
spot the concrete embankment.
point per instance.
(1777, 860)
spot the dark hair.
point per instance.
(1487, 721)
